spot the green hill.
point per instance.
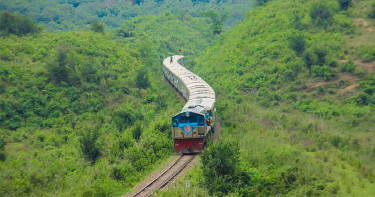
(308, 130)
(79, 115)
(68, 15)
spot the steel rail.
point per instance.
(153, 181)
(173, 175)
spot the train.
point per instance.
(194, 124)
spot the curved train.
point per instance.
(196, 121)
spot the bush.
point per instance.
(344, 4)
(371, 13)
(141, 80)
(97, 27)
(124, 117)
(366, 53)
(297, 43)
(322, 71)
(262, 2)
(347, 66)
(320, 14)
(17, 24)
(89, 145)
(219, 163)
(137, 130)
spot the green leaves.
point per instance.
(17, 24)
(97, 27)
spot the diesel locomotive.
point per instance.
(192, 126)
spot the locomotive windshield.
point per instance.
(195, 119)
(190, 119)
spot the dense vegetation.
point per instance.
(66, 15)
(88, 114)
(308, 131)
(16, 24)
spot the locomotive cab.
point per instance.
(188, 131)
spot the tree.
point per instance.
(137, 131)
(89, 146)
(320, 14)
(344, 4)
(297, 43)
(217, 20)
(97, 27)
(124, 117)
(141, 79)
(12, 23)
(58, 68)
(262, 2)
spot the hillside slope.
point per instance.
(68, 15)
(80, 115)
(307, 129)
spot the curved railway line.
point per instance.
(191, 127)
(166, 176)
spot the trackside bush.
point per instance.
(220, 162)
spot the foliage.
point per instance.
(371, 12)
(320, 13)
(220, 163)
(322, 71)
(69, 103)
(344, 4)
(347, 66)
(89, 146)
(17, 24)
(298, 43)
(141, 80)
(366, 53)
(262, 2)
(57, 15)
(97, 27)
(217, 20)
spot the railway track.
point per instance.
(167, 175)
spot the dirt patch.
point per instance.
(360, 21)
(349, 88)
(314, 84)
(367, 67)
(215, 136)
(347, 77)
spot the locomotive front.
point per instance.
(188, 130)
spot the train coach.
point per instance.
(192, 126)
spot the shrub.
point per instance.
(137, 130)
(89, 145)
(310, 58)
(344, 4)
(322, 71)
(371, 13)
(366, 53)
(97, 27)
(219, 163)
(262, 2)
(124, 117)
(297, 43)
(320, 13)
(142, 80)
(347, 66)
(12, 23)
